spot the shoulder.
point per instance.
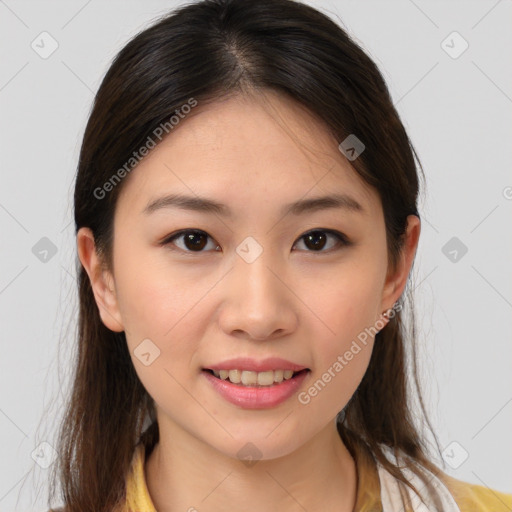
(477, 498)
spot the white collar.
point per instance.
(390, 492)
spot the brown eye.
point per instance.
(317, 240)
(191, 240)
(194, 241)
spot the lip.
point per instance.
(252, 397)
(248, 364)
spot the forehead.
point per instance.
(264, 149)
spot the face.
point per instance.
(195, 286)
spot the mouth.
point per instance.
(246, 378)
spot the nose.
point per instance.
(258, 303)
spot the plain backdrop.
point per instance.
(454, 94)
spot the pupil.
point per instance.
(317, 239)
(313, 240)
(192, 242)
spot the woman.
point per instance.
(246, 218)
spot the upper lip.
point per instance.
(263, 365)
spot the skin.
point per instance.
(254, 154)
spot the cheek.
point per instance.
(348, 306)
(154, 299)
(331, 387)
(167, 307)
(341, 355)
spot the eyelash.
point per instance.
(342, 239)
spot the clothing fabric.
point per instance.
(377, 489)
(391, 497)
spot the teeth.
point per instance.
(265, 378)
(278, 375)
(235, 376)
(250, 378)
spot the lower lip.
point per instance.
(252, 397)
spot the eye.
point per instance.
(193, 240)
(317, 240)
(196, 240)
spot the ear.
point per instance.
(396, 281)
(102, 282)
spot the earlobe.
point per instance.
(395, 283)
(102, 282)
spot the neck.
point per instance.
(183, 473)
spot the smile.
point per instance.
(255, 390)
(250, 378)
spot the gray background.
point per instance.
(457, 112)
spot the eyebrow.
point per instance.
(300, 207)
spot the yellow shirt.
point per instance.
(469, 497)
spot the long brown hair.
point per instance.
(208, 50)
